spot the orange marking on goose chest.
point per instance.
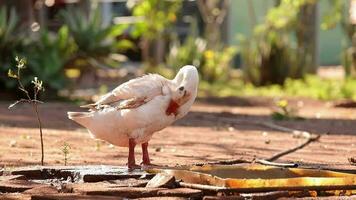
(172, 108)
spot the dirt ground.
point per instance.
(199, 137)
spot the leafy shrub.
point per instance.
(212, 65)
(94, 41)
(48, 55)
(270, 55)
(216, 64)
(189, 53)
(156, 16)
(284, 111)
(267, 58)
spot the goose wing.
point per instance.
(133, 93)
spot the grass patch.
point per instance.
(311, 86)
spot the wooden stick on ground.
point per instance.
(225, 162)
(266, 162)
(271, 125)
(296, 133)
(305, 143)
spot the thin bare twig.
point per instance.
(225, 162)
(288, 151)
(24, 101)
(17, 102)
(297, 133)
(35, 107)
(266, 162)
(33, 102)
(304, 134)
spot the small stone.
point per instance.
(317, 115)
(12, 143)
(159, 149)
(162, 180)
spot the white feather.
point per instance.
(118, 125)
(147, 86)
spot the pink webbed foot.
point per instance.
(133, 166)
(146, 163)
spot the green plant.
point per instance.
(11, 42)
(65, 150)
(285, 111)
(190, 52)
(216, 64)
(33, 101)
(267, 58)
(270, 55)
(156, 16)
(48, 55)
(311, 86)
(213, 65)
(95, 42)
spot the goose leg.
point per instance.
(131, 163)
(145, 156)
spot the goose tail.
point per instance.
(82, 118)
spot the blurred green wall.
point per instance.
(241, 22)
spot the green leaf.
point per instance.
(125, 44)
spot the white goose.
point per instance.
(132, 112)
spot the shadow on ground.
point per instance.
(54, 117)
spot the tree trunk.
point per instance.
(307, 37)
(213, 21)
(160, 50)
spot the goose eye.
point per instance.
(181, 88)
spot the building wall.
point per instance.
(240, 22)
